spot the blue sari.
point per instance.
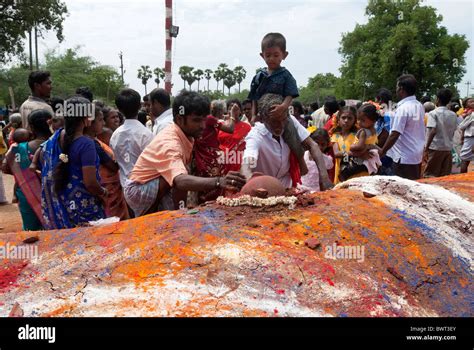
(74, 206)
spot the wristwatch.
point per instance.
(218, 182)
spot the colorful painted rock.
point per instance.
(261, 185)
(403, 249)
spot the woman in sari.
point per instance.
(206, 152)
(71, 191)
(28, 185)
(233, 144)
(114, 204)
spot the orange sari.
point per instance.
(115, 204)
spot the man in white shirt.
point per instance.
(442, 123)
(41, 86)
(322, 115)
(160, 110)
(406, 141)
(268, 153)
(131, 138)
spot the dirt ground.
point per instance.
(10, 219)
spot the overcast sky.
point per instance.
(228, 31)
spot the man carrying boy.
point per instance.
(278, 80)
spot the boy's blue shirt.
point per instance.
(280, 82)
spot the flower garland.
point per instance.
(257, 202)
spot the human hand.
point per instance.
(279, 111)
(233, 181)
(234, 111)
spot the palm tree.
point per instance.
(191, 79)
(198, 73)
(217, 77)
(144, 73)
(240, 73)
(185, 72)
(220, 74)
(160, 75)
(229, 78)
(208, 76)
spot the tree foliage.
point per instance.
(20, 16)
(319, 86)
(68, 72)
(400, 37)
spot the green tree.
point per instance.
(144, 73)
(400, 37)
(198, 74)
(229, 78)
(185, 72)
(19, 17)
(69, 71)
(208, 76)
(220, 74)
(319, 86)
(239, 73)
(159, 74)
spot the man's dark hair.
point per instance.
(314, 106)
(56, 103)
(298, 105)
(37, 77)
(274, 40)
(425, 99)
(161, 96)
(234, 100)
(142, 117)
(331, 104)
(146, 98)
(190, 102)
(128, 101)
(342, 103)
(408, 83)
(384, 96)
(244, 102)
(85, 92)
(444, 96)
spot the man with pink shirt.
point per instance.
(160, 178)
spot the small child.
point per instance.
(365, 141)
(105, 135)
(277, 80)
(311, 180)
(21, 135)
(15, 123)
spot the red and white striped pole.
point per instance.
(168, 23)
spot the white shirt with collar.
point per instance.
(161, 122)
(272, 157)
(128, 142)
(409, 122)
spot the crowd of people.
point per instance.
(76, 161)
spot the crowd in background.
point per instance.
(77, 161)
